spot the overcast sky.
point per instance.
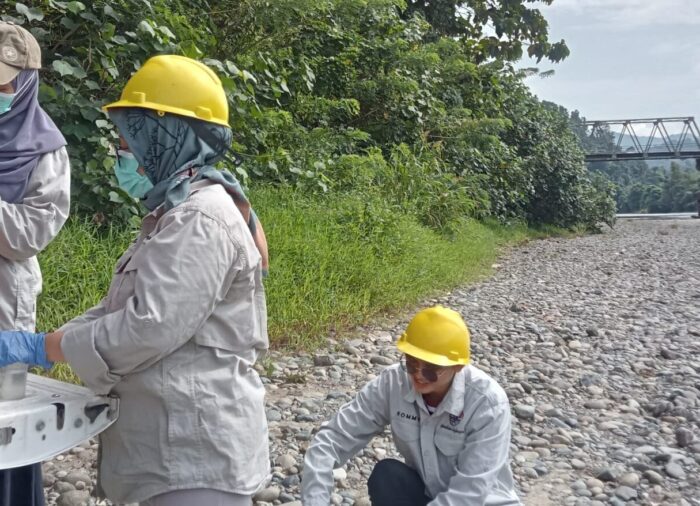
(629, 58)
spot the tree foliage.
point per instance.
(492, 28)
(410, 104)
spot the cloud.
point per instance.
(674, 48)
(629, 58)
(629, 14)
(618, 97)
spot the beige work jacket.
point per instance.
(176, 339)
(26, 228)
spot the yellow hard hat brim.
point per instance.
(426, 356)
(162, 109)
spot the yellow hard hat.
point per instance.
(178, 85)
(437, 335)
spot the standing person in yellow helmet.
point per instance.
(449, 420)
(184, 321)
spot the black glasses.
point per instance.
(430, 372)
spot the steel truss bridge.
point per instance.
(658, 145)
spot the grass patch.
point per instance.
(329, 273)
(335, 263)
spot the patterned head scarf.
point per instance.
(168, 146)
(26, 133)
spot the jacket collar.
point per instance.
(151, 219)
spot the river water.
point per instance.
(658, 216)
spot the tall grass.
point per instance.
(335, 263)
(327, 274)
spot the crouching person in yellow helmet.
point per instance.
(184, 321)
(449, 420)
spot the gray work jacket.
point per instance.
(26, 228)
(460, 451)
(176, 339)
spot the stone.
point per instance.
(646, 449)
(596, 404)
(653, 477)
(684, 437)
(268, 494)
(74, 498)
(273, 415)
(625, 493)
(669, 354)
(577, 464)
(541, 469)
(379, 453)
(381, 360)
(286, 461)
(629, 479)
(594, 483)
(47, 480)
(578, 485)
(607, 474)
(75, 476)
(291, 481)
(553, 412)
(527, 456)
(531, 473)
(674, 471)
(63, 486)
(323, 360)
(524, 411)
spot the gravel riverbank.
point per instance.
(596, 340)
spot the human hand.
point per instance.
(24, 347)
(53, 346)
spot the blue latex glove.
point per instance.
(25, 347)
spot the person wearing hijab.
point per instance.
(185, 319)
(34, 204)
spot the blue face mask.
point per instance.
(126, 170)
(6, 101)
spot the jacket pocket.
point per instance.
(405, 430)
(406, 435)
(238, 321)
(122, 286)
(27, 290)
(449, 444)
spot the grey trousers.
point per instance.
(199, 496)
